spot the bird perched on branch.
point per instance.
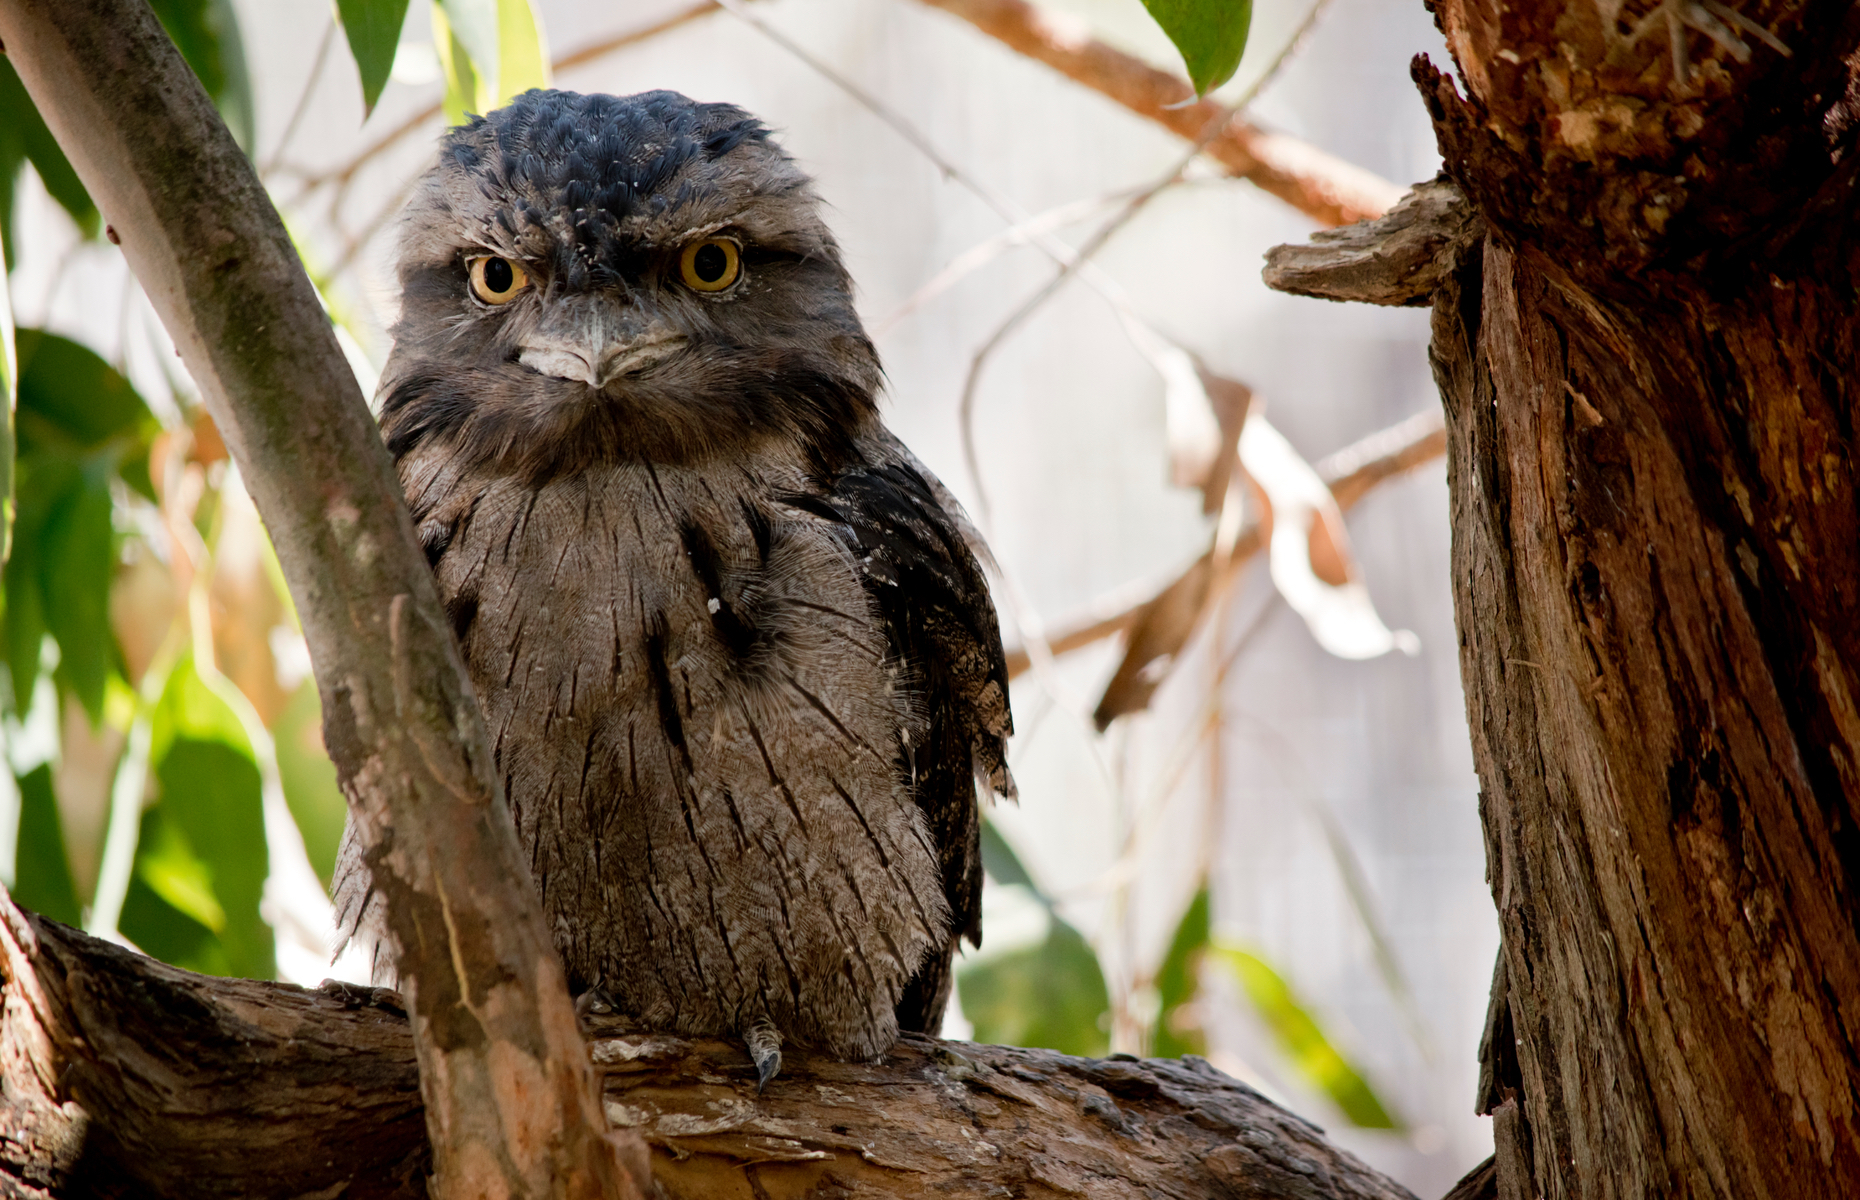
(733, 646)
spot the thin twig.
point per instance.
(1212, 129)
(303, 99)
(1352, 473)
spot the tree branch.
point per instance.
(1397, 259)
(1324, 188)
(118, 1068)
(509, 1094)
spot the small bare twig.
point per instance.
(1327, 189)
(303, 99)
(1352, 472)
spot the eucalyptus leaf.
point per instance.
(1303, 1040)
(9, 397)
(522, 54)
(210, 793)
(1051, 995)
(79, 425)
(42, 880)
(24, 138)
(309, 779)
(455, 65)
(373, 30)
(1178, 1030)
(475, 24)
(1211, 35)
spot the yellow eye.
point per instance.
(711, 265)
(497, 280)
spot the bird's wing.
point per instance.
(914, 546)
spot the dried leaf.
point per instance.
(1309, 552)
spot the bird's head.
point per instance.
(588, 278)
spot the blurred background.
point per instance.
(1247, 824)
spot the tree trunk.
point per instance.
(1649, 369)
(125, 1077)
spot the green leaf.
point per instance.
(1211, 34)
(77, 545)
(1303, 1040)
(455, 63)
(203, 842)
(165, 860)
(309, 779)
(23, 138)
(74, 405)
(1177, 1031)
(522, 55)
(1050, 995)
(373, 29)
(43, 874)
(1000, 861)
(79, 423)
(9, 396)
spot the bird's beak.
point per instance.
(594, 340)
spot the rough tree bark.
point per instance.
(125, 1077)
(1645, 339)
(510, 1097)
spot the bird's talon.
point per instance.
(764, 1043)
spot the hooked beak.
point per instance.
(592, 343)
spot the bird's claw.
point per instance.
(764, 1043)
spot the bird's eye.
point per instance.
(711, 265)
(497, 280)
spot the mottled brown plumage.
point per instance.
(733, 645)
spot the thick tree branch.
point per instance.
(126, 1076)
(509, 1094)
(1324, 188)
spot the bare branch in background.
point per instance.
(1352, 473)
(1325, 188)
(510, 1097)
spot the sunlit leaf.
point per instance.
(1303, 1040)
(210, 795)
(43, 870)
(1178, 1030)
(522, 54)
(309, 779)
(77, 545)
(455, 64)
(79, 424)
(373, 29)
(165, 860)
(1211, 34)
(1050, 996)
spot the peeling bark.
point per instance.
(126, 1077)
(1651, 380)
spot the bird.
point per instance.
(733, 642)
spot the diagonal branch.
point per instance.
(1323, 187)
(510, 1098)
